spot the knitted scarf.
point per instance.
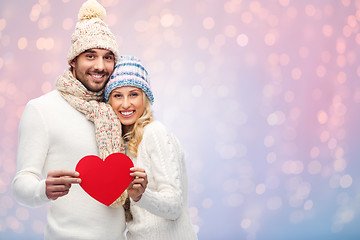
(107, 125)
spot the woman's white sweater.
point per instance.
(162, 211)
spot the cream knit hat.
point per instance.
(91, 31)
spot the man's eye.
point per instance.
(109, 57)
(90, 56)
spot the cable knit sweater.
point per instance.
(162, 211)
(52, 136)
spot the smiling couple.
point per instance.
(102, 105)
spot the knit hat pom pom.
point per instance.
(92, 9)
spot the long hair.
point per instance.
(134, 136)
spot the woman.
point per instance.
(161, 211)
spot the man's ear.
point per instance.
(72, 63)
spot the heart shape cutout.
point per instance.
(105, 180)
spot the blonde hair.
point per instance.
(134, 136)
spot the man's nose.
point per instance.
(99, 64)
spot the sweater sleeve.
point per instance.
(28, 186)
(165, 156)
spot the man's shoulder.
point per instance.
(48, 98)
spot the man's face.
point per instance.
(93, 68)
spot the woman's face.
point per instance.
(127, 103)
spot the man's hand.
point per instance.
(58, 182)
(138, 184)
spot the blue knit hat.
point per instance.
(129, 71)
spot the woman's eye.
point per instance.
(134, 94)
(117, 95)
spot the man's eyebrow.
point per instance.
(89, 51)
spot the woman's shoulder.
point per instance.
(155, 126)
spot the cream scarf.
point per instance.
(107, 125)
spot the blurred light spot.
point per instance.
(284, 59)
(230, 31)
(22, 43)
(316, 94)
(346, 3)
(284, 3)
(292, 167)
(271, 157)
(332, 143)
(291, 12)
(46, 87)
(276, 118)
(203, 43)
(67, 24)
(2, 104)
(207, 203)
(341, 60)
(334, 181)
(234, 200)
(197, 91)
(273, 20)
(326, 56)
(1, 65)
(320, 71)
(296, 73)
(327, 30)
(346, 181)
(220, 40)
(14, 224)
(289, 96)
(339, 153)
(273, 59)
(340, 165)
(303, 52)
(260, 189)
(314, 152)
(231, 6)
(308, 205)
(247, 17)
(242, 40)
(44, 23)
(310, 10)
(22, 214)
(324, 136)
(47, 68)
(38, 226)
(314, 167)
(322, 117)
(297, 217)
(274, 203)
(167, 20)
(200, 67)
(347, 31)
(269, 141)
(222, 91)
(2, 24)
(245, 223)
(35, 12)
(227, 151)
(341, 46)
(208, 23)
(270, 39)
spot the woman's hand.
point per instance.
(58, 183)
(138, 184)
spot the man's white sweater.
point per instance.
(52, 136)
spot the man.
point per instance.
(54, 136)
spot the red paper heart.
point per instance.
(105, 180)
